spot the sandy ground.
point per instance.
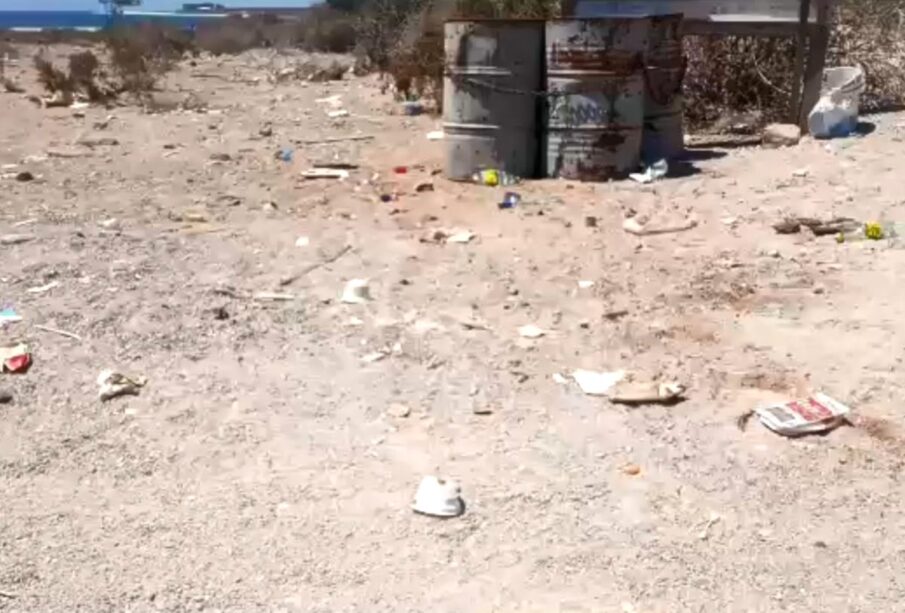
(262, 467)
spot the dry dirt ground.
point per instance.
(262, 468)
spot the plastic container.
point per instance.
(836, 113)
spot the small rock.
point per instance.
(631, 469)
(482, 409)
(781, 135)
(221, 157)
(25, 176)
(221, 314)
(398, 410)
(590, 221)
(266, 130)
(427, 186)
(819, 289)
(5, 397)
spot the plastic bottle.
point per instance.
(872, 231)
(493, 177)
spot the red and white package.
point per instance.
(819, 413)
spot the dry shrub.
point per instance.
(52, 78)
(328, 30)
(230, 36)
(140, 55)
(748, 81)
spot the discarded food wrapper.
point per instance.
(40, 289)
(356, 291)
(376, 356)
(597, 383)
(435, 135)
(302, 241)
(462, 236)
(647, 393)
(115, 384)
(326, 173)
(337, 113)
(331, 100)
(15, 358)
(819, 413)
(510, 200)
(584, 284)
(655, 171)
(438, 498)
(412, 108)
(284, 155)
(633, 226)
(531, 331)
(9, 316)
(492, 177)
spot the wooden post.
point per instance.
(813, 80)
(804, 16)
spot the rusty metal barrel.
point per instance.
(595, 89)
(494, 69)
(663, 135)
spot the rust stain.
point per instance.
(622, 63)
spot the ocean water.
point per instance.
(71, 20)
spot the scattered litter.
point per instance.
(615, 314)
(302, 241)
(15, 358)
(60, 332)
(220, 313)
(376, 356)
(597, 383)
(412, 108)
(194, 217)
(103, 141)
(631, 469)
(633, 226)
(461, 237)
(400, 170)
(113, 384)
(439, 498)
(531, 331)
(337, 113)
(510, 200)
(40, 289)
(274, 296)
(356, 291)
(332, 100)
(110, 224)
(15, 239)
(836, 225)
(326, 173)
(819, 413)
(492, 177)
(873, 230)
(647, 393)
(560, 379)
(387, 197)
(836, 112)
(399, 410)
(714, 517)
(9, 316)
(801, 172)
(585, 284)
(436, 135)
(651, 173)
(284, 155)
(425, 186)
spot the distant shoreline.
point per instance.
(89, 21)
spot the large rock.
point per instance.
(781, 135)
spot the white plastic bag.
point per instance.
(836, 113)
